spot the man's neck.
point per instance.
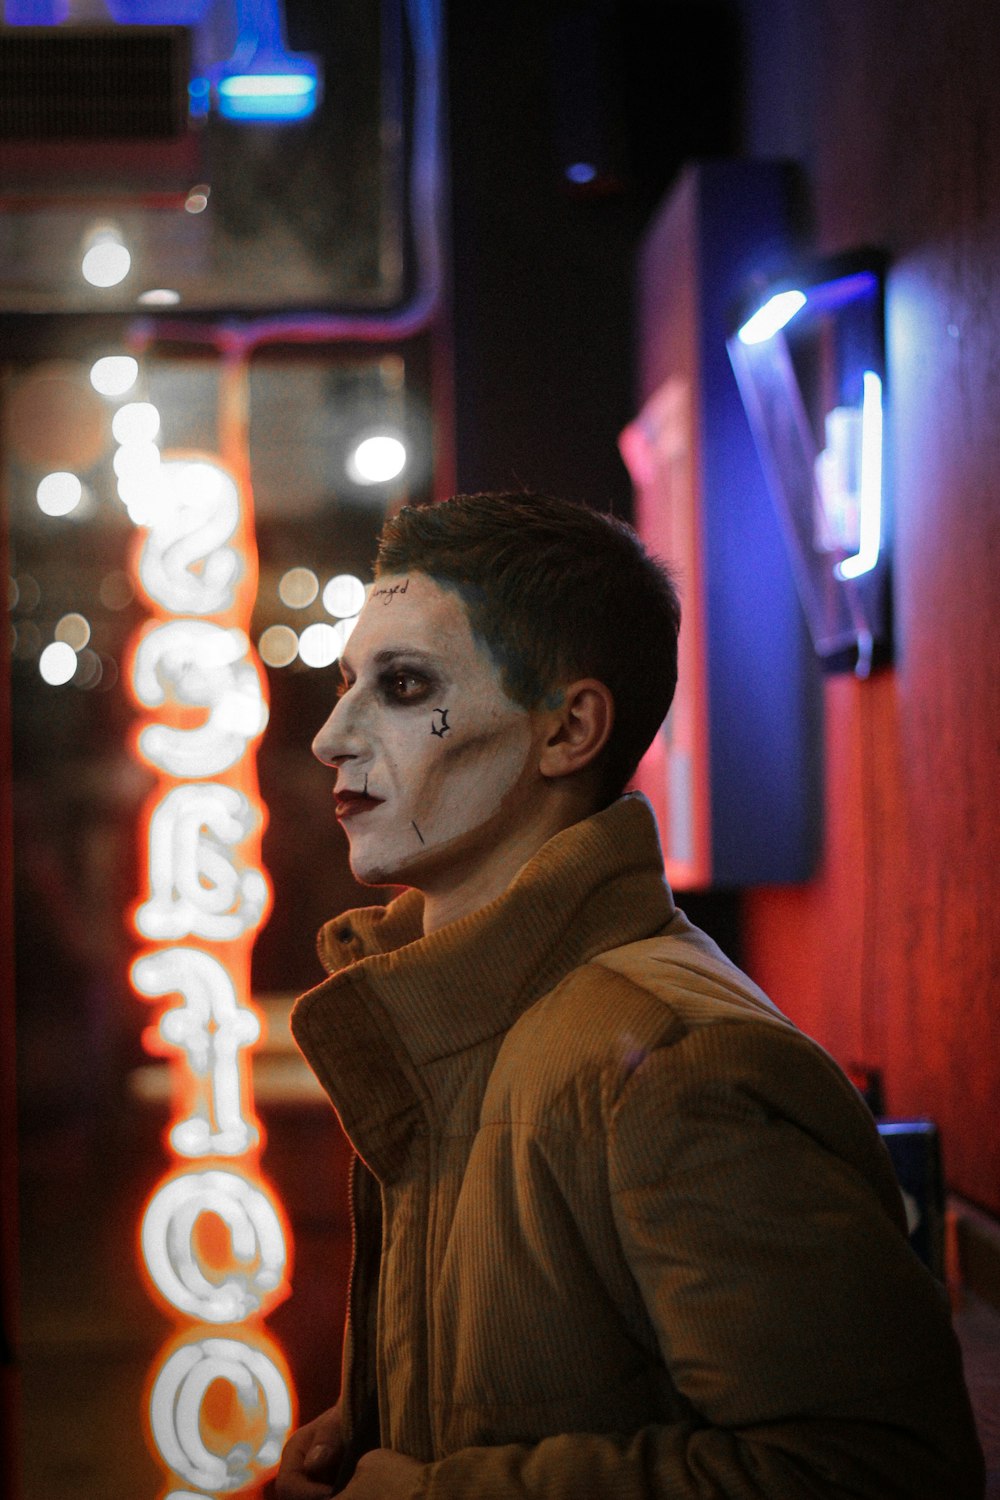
(458, 894)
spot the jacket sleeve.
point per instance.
(813, 1352)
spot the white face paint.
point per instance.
(437, 769)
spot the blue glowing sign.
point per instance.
(261, 81)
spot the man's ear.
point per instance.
(578, 728)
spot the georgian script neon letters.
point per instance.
(213, 1238)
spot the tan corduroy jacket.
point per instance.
(640, 1237)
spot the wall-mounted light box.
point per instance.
(261, 81)
(808, 352)
(734, 774)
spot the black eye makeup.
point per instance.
(406, 685)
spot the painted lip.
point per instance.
(348, 804)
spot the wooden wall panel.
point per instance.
(891, 954)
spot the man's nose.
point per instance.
(339, 739)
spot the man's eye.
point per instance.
(406, 687)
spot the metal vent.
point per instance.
(109, 83)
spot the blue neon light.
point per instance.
(263, 80)
(267, 96)
(581, 172)
(870, 528)
(769, 319)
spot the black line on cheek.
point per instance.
(417, 831)
(442, 728)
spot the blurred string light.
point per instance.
(376, 459)
(298, 587)
(343, 595)
(114, 375)
(59, 493)
(106, 259)
(196, 201)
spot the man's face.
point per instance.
(436, 766)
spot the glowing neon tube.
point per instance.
(870, 517)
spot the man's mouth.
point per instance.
(349, 804)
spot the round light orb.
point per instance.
(74, 629)
(319, 645)
(89, 669)
(376, 459)
(196, 201)
(114, 374)
(278, 646)
(136, 460)
(106, 263)
(298, 587)
(135, 422)
(57, 663)
(57, 494)
(343, 595)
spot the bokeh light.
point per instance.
(278, 646)
(114, 374)
(57, 663)
(343, 595)
(135, 422)
(136, 460)
(57, 494)
(298, 588)
(74, 629)
(107, 262)
(159, 296)
(320, 645)
(89, 669)
(376, 459)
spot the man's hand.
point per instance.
(311, 1458)
(384, 1475)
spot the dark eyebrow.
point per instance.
(390, 654)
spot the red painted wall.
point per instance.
(891, 954)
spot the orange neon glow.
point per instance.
(214, 1240)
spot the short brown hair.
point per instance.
(556, 592)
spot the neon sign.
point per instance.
(214, 1242)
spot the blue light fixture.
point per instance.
(775, 314)
(810, 365)
(263, 80)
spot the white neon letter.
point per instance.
(197, 887)
(199, 663)
(175, 1408)
(183, 564)
(210, 1027)
(257, 1241)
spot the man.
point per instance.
(620, 1230)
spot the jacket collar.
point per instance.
(398, 1002)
